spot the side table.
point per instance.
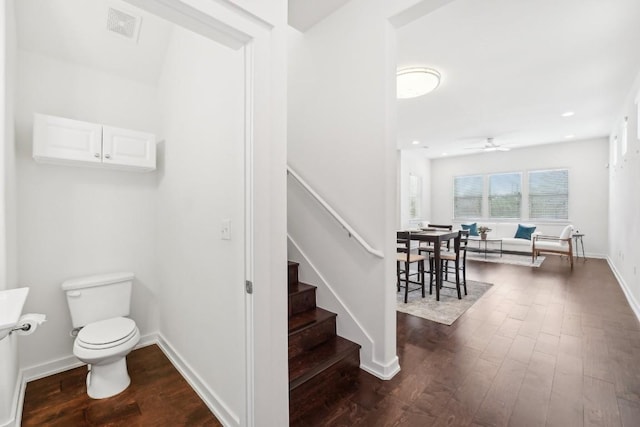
(577, 238)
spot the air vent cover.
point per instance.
(123, 23)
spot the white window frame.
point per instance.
(529, 194)
(489, 197)
(482, 197)
(415, 197)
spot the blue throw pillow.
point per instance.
(473, 228)
(524, 232)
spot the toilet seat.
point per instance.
(106, 333)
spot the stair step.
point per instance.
(310, 329)
(293, 274)
(301, 299)
(309, 364)
(308, 318)
(324, 389)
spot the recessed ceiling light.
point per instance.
(416, 81)
(444, 154)
(570, 136)
(416, 142)
(567, 114)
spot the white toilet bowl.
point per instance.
(104, 345)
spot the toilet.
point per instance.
(99, 306)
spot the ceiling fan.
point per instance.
(489, 145)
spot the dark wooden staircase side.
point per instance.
(321, 363)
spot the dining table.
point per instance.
(437, 237)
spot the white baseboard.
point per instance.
(362, 337)
(215, 404)
(635, 306)
(32, 373)
(53, 367)
(15, 419)
(384, 372)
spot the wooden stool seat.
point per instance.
(412, 257)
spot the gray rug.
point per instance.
(445, 311)
(511, 259)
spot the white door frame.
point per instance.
(239, 29)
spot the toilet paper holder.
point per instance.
(24, 328)
(28, 323)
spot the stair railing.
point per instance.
(352, 233)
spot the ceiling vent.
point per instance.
(124, 24)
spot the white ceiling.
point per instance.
(75, 31)
(304, 14)
(511, 67)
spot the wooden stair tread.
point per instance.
(301, 287)
(310, 363)
(301, 321)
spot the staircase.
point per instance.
(321, 364)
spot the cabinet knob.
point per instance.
(97, 155)
(107, 156)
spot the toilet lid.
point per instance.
(107, 331)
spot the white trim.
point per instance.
(62, 364)
(210, 398)
(223, 21)
(384, 371)
(248, 234)
(15, 418)
(53, 367)
(633, 303)
(222, 412)
(335, 215)
(188, 15)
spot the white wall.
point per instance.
(201, 184)
(9, 345)
(588, 188)
(340, 127)
(413, 163)
(76, 221)
(624, 204)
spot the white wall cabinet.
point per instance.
(58, 140)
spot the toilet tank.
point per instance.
(100, 297)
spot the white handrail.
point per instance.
(335, 215)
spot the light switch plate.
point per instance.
(225, 230)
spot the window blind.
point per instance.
(505, 196)
(549, 194)
(467, 196)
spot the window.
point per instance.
(505, 195)
(549, 194)
(415, 197)
(467, 196)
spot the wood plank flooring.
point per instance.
(545, 346)
(158, 396)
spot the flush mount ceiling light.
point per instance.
(416, 81)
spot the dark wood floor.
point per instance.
(546, 346)
(157, 396)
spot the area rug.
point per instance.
(511, 259)
(445, 311)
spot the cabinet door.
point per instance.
(60, 140)
(128, 149)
